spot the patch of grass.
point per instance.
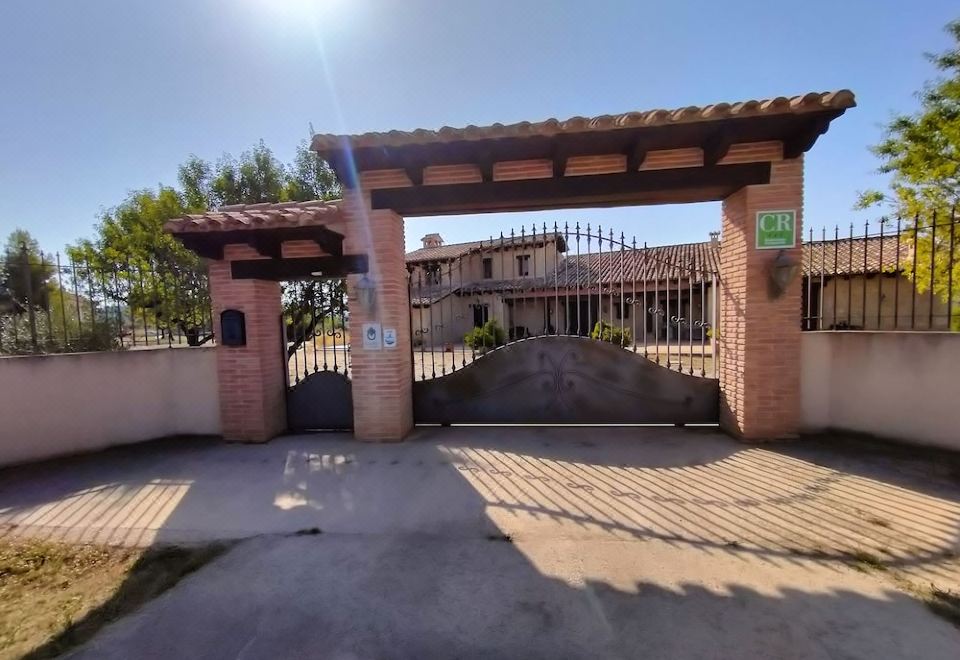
(55, 596)
(864, 561)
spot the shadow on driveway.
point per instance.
(494, 542)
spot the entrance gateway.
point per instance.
(749, 155)
(577, 327)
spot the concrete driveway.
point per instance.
(525, 543)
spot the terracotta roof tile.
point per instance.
(677, 261)
(811, 102)
(454, 250)
(257, 216)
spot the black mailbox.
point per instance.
(233, 328)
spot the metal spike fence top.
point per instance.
(54, 305)
(890, 275)
(582, 281)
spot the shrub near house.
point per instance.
(611, 333)
(489, 335)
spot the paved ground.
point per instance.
(622, 543)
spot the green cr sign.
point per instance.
(776, 229)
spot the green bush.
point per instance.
(611, 333)
(489, 335)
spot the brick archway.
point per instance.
(748, 155)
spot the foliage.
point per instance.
(309, 177)
(922, 153)
(313, 303)
(489, 335)
(54, 337)
(25, 272)
(135, 265)
(604, 331)
(151, 274)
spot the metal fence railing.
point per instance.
(50, 305)
(898, 275)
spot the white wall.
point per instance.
(897, 385)
(52, 405)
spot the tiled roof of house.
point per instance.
(257, 216)
(812, 102)
(454, 250)
(845, 256)
(442, 252)
(678, 261)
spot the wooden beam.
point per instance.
(560, 157)
(415, 174)
(329, 241)
(636, 154)
(627, 188)
(302, 268)
(266, 241)
(801, 141)
(266, 244)
(716, 147)
(342, 164)
(202, 245)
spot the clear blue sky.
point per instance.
(101, 97)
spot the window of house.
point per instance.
(523, 265)
(622, 311)
(488, 268)
(432, 274)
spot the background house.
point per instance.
(549, 283)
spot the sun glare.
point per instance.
(300, 9)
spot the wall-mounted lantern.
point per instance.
(367, 294)
(782, 271)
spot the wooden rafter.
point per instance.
(646, 187)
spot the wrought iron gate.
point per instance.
(316, 332)
(565, 326)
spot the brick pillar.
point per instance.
(252, 407)
(759, 339)
(382, 381)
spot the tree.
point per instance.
(257, 177)
(135, 266)
(153, 275)
(195, 176)
(922, 153)
(26, 271)
(309, 177)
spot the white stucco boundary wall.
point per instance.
(54, 405)
(895, 385)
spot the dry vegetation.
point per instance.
(55, 596)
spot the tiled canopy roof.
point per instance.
(257, 216)
(812, 102)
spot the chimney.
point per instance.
(714, 239)
(432, 241)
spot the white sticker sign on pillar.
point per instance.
(389, 338)
(372, 337)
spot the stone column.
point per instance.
(251, 378)
(382, 381)
(759, 338)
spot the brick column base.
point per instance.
(759, 338)
(251, 377)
